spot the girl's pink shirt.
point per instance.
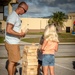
(49, 47)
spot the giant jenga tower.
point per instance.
(29, 62)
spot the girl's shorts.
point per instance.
(48, 60)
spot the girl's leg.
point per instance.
(45, 70)
(51, 68)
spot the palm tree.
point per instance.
(58, 19)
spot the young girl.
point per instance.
(49, 47)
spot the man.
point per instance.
(13, 35)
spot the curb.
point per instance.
(26, 43)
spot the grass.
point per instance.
(1, 39)
(63, 37)
(35, 33)
(31, 40)
(66, 37)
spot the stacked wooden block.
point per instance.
(29, 63)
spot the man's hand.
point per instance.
(22, 34)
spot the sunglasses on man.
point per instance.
(23, 9)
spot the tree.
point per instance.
(58, 19)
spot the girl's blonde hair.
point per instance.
(50, 33)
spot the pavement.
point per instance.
(63, 66)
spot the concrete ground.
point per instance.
(63, 66)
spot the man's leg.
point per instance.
(13, 56)
(11, 68)
(14, 70)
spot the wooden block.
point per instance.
(29, 68)
(26, 70)
(30, 63)
(30, 53)
(31, 73)
(31, 47)
(29, 57)
(29, 60)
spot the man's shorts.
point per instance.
(48, 60)
(13, 51)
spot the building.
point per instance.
(40, 23)
(71, 15)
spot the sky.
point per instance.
(43, 8)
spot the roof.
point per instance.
(4, 2)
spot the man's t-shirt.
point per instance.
(14, 19)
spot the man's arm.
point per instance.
(9, 30)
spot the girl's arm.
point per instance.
(44, 44)
(56, 47)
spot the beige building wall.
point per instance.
(71, 15)
(68, 23)
(34, 23)
(40, 23)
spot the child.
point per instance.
(40, 54)
(49, 47)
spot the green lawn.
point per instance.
(63, 37)
(31, 40)
(1, 39)
(66, 37)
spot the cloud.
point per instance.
(42, 8)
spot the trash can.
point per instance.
(67, 29)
